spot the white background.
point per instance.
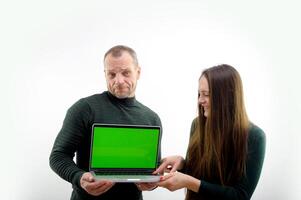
(51, 55)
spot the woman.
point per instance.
(226, 151)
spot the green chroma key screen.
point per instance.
(124, 147)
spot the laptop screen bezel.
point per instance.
(127, 170)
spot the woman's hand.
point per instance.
(170, 164)
(177, 180)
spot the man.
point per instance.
(115, 106)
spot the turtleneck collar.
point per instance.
(126, 101)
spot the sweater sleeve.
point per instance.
(244, 188)
(68, 141)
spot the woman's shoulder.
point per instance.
(193, 125)
(256, 134)
(194, 121)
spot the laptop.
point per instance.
(125, 153)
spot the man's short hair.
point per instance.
(117, 51)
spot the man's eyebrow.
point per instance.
(110, 70)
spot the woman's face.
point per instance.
(203, 95)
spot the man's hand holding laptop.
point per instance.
(98, 187)
(93, 186)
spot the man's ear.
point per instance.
(138, 71)
(104, 73)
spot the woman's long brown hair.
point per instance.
(218, 146)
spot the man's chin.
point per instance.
(122, 95)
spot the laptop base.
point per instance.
(128, 178)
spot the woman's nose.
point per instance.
(201, 100)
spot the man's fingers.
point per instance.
(105, 186)
(93, 186)
(88, 177)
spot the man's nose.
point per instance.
(119, 78)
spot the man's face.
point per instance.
(121, 75)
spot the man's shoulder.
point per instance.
(94, 99)
(95, 96)
(146, 108)
(89, 101)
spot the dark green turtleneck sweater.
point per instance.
(75, 137)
